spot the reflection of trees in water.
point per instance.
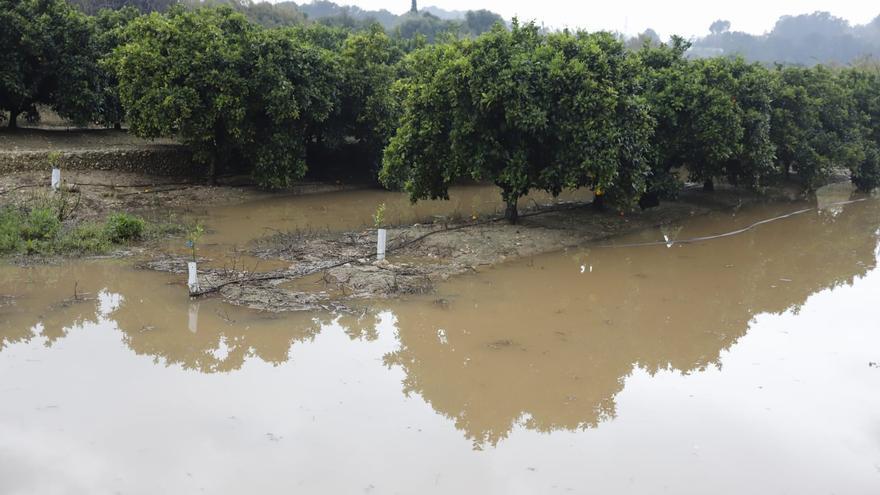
(551, 351)
(224, 340)
(212, 337)
(154, 319)
(46, 300)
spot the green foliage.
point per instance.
(713, 117)
(236, 94)
(477, 22)
(109, 33)
(866, 173)
(366, 110)
(40, 225)
(122, 227)
(813, 126)
(432, 28)
(87, 238)
(379, 216)
(48, 57)
(186, 74)
(193, 236)
(864, 84)
(10, 230)
(93, 7)
(36, 230)
(291, 92)
(511, 107)
(54, 158)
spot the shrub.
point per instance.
(122, 227)
(866, 176)
(10, 230)
(40, 224)
(38, 231)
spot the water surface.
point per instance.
(749, 364)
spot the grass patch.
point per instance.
(39, 231)
(122, 227)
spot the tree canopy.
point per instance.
(522, 110)
(48, 58)
(229, 90)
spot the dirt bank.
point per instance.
(99, 192)
(93, 149)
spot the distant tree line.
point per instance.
(809, 39)
(514, 106)
(430, 24)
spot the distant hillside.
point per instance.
(321, 9)
(446, 15)
(809, 39)
(429, 22)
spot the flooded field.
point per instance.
(747, 364)
(355, 209)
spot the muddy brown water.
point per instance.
(749, 364)
(347, 210)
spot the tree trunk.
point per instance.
(708, 186)
(13, 119)
(212, 171)
(599, 202)
(511, 214)
(118, 126)
(649, 200)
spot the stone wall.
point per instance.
(168, 160)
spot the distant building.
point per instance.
(414, 8)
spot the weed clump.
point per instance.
(122, 227)
(40, 231)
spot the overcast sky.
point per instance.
(685, 17)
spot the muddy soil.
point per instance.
(99, 192)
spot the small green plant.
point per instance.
(379, 216)
(122, 227)
(193, 236)
(54, 158)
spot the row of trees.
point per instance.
(515, 106)
(531, 111)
